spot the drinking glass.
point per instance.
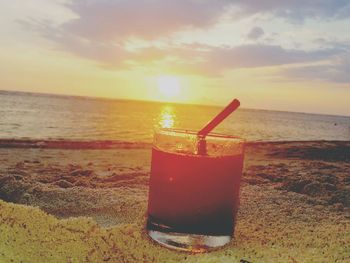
(194, 196)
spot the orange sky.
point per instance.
(269, 56)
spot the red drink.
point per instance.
(194, 194)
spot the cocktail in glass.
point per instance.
(194, 195)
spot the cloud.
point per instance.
(337, 71)
(101, 52)
(188, 58)
(107, 20)
(116, 20)
(248, 56)
(255, 33)
(213, 61)
(296, 10)
(102, 28)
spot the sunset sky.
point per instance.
(273, 54)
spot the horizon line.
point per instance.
(162, 102)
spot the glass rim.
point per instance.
(213, 135)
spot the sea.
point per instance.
(50, 117)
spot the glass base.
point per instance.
(189, 242)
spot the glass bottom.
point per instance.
(189, 242)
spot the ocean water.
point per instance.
(39, 116)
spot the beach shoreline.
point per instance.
(287, 188)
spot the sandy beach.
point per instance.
(86, 202)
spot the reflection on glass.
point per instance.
(167, 117)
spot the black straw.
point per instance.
(201, 144)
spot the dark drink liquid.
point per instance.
(196, 194)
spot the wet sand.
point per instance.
(295, 204)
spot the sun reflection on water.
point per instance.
(167, 117)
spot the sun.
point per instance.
(169, 86)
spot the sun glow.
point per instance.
(169, 87)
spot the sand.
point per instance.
(83, 203)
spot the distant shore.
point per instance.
(295, 203)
